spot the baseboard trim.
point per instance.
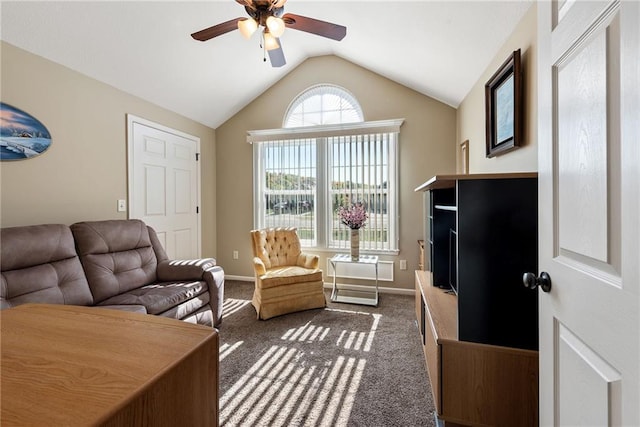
(240, 278)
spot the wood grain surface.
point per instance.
(71, 365)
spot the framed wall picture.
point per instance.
(22, 136)
(503, 104)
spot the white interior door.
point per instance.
(164, 185)
(589, 139)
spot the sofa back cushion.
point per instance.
(117, 256)
(39, 265)
(276, 247)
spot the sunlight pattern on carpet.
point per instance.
(227, 349)
(231, 306)
(308, 333)
(321, 395)
(286, 386)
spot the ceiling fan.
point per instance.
(270, 15)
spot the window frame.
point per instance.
(321, 133)
(304, 99)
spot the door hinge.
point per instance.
(197, 209)
(197, 156)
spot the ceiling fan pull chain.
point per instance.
(263, 47)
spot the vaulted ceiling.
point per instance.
(438, 48)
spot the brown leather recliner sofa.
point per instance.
(117, 264)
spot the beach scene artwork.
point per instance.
(22, 136)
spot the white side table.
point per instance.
(364, 297)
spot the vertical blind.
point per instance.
(302, 177)
(360, 172)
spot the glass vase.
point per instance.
(355, 244)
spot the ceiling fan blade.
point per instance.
(217, 30)
(276, 56)
(276, 4)
(247, 3)
(315, 26)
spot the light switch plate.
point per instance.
(122, 205)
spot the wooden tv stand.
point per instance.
(473, 384)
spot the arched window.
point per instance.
(324, 157)
(323, 105)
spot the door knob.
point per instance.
(531, 281)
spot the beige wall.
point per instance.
(471, 117)
(427, 147)
(84, 172)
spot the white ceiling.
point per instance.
(438, 48)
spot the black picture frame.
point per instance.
(503, 107)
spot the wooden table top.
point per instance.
(71, 365)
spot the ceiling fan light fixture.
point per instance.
(270, 42)
(247, 27)
(276, 26)
(269, 14)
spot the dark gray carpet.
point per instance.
(346, 365)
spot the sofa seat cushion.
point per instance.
(288, 275)
(159, 297)
(188, 307)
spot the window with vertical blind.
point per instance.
(302, 175)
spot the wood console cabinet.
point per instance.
(473, 384)
(477, 321)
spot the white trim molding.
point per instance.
(362, 128)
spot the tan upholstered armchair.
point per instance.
(287, 280)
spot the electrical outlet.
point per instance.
(122, 205)
(235, 254)
(403, 264)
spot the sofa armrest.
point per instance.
(198, 269)
(214, 276)
(308, 261)
(259, 266)
(193, 269)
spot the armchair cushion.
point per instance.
(280, 276)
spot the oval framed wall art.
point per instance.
(22, 136)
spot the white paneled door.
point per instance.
(589, 192)
(164, 185)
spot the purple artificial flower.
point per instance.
(353, 216)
